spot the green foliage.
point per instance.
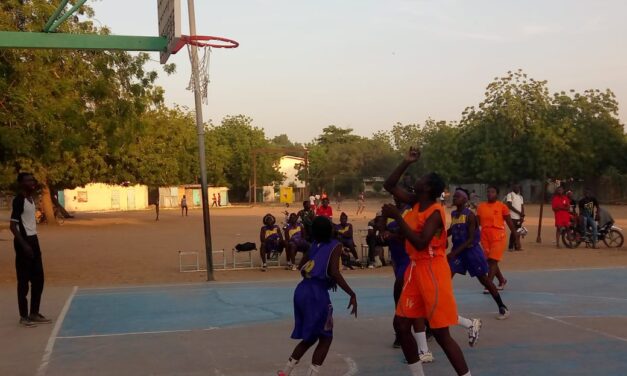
(69, 116)
(74, 117)
(234, 141)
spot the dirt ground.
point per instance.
(106, 249)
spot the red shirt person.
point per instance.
(325, 210)
(561, 207)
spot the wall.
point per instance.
(286, 167)
(169, 197)
(103, 197)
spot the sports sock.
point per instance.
(416, 369)
(466, 323)
(313, 370)
(291, 363)
(421, 340)
(499, 301)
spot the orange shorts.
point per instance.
(428, 293)
(493, 242)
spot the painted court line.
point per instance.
(571, 295)
(45, 359)
(590, 317)
(139, 333)
(569, 269)
(352, 367)
(579, 327)
(225, 283)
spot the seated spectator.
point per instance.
(345, 235)
(376, 241)
(306, 216)
(325, 210)
(295, 239)
(271, 239)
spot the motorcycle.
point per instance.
(608, 233)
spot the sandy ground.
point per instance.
(102, 249)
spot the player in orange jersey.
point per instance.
(493, 216)
(428, 289)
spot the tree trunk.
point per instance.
(46, 204)
(57, 204)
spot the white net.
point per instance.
(203, 71)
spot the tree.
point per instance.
(242, 138)
(508, 137)
(68, 116)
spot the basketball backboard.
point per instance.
(169, 25)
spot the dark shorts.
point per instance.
(272, 244)
(300, 245)
(348, 243)
(472, 261)
(399, 268)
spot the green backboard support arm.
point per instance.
(55, 15)
(17, 39)
(55, 23)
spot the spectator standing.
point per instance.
(153, 199)
(28, 261)
(561, 208)
(184, 205)
(516, 206)
(361, 203)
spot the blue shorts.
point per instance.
(472, 260)
(313, 312)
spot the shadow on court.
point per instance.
(567, 322)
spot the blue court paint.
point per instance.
(562, 350)
(101, 312)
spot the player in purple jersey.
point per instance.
(313, 312)
(467, 256)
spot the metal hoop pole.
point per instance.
(201, 144)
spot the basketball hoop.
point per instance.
(206, 42)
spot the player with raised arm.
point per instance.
(428, 288)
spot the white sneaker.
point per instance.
(294, 267)
(473, 332)
(370, 266)
(503, 314)
(426, 357)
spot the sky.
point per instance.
(368, 64)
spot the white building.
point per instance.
(289, 167)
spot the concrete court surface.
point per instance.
(564, 322)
